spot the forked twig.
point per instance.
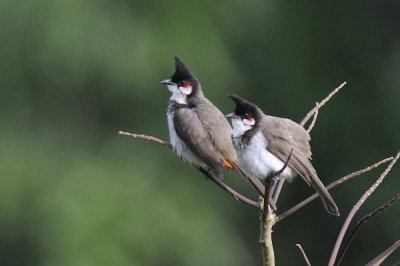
(356, 208)
(304, 254)
(362, 222)
(221, 184)
(322, 103)
(330, 186)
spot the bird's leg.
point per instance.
(275, 183)
(204, 172)
(277, 189)
(270, 185)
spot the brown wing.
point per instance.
(283, 135)
(217, 127)
(190, 129)
(220, 132)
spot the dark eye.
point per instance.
(185, 84)
(248, 117)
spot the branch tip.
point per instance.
(304, 254)
(322, 103)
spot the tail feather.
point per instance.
(326, 198)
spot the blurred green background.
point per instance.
(73, 73)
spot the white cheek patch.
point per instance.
(172, 88)
(186, 90)
(249, 122)
(239, 128)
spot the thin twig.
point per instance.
(362, 222)
(304, 254)
(235, 194)
(378, 260)
(254, 182)
(221, 184)
(145, 137)
(330, 186)
(356, 208)
(314, 119)
(322, 103)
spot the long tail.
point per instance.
(326, 198)
(255, 182)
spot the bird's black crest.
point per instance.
(181, 71)
(245, 107)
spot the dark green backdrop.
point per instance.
(73, 73)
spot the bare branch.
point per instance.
(314, 119)
(304, 254)
(363, 221)
(268, 219)
(221, 184)
(254, 182)
(378, 260)
(356, 208)
(322, 103)
(146, 137)
(330, 186)
(235, 194)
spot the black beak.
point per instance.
(167, 82)
(231, 115)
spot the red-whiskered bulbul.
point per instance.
(199, 132)
(264, 143)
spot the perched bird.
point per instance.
(199, 132)
(264, 143)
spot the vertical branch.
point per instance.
(268, 220)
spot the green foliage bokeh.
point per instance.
(73, 73)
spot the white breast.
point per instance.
(180, 147)
(257, 161)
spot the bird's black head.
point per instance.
(245, 109)
(182, 81)
(182, 72)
